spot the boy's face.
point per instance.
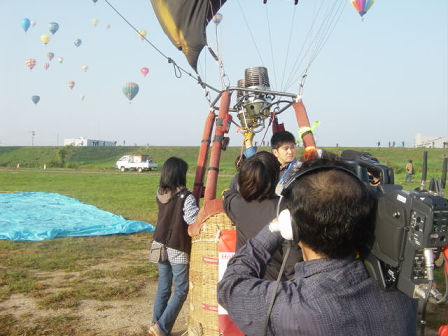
(285, 153)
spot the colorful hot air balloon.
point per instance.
(60, 59)
(30, 63)
(26, 24)
(84, 68)
(45, 38)
(95, 22)
(71, 84)
(77, 42)
(50, 55)
(46, 65)
(53, 27)
(142, 34)
(130, 90)
(35, 99)
(362, 6)
(144, 71)
(33, 23)
(217, 18)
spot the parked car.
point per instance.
(135, 162)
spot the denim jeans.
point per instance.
(166, 309)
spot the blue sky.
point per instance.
(381, 79)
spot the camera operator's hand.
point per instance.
(282, 224)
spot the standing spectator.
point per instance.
(409, 171)
(177, 210)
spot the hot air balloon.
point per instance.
(30, 63)
(35, 99)
(26, 24)
(77, 42)
(33, 23)
(95, 22)
(50, 55)
(82, 97)
(71, 84)
(217, 18)
(94, 1)
(107, 26)
(84, 68)
(46, 65)
(130, 90)
(53, 27)
(142, 34)
(45, 38)
(60, 59)
(362, 6)
(144, 71)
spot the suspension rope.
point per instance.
(178, 70)
(289, 45)
(271, 47)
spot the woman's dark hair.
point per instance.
(173, 175)
(258, 176)
(333, 210)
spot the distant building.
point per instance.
(421, 140)
(88, 142)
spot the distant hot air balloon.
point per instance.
(94, 1)
(77, 42)
(71, 84)
(35, 99)
(26, 24)
(144, 71)
(142, 34)
(130, 90)
(30, 63)
(84, 68)
(217, 18)
(33, 23)
(107, 26)
(45, 38)
(53, 27)
(60, 59)
(82, 97)
(362, 6)
(95, 22)
(50, 55)
(46, 65)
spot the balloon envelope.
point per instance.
(362, 6)
(107, 26)
(144, 71)
(60, 59)
(82, 97)
(33, 23)
(45, 38)
(50, 56)
(95, 22)
(46, 65)
(84, 68)
(53, 27)
(35, 99)
(26, 24)
(30, 63)
(77, 42)
(71, 84)
(130, 90)
(142, 34)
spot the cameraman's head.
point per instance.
(331, 207)
(283, 147)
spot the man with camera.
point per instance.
(329, 214)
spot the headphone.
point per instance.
(284, 189)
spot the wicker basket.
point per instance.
(203, 304)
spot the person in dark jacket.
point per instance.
(251, 203)
(177, 210)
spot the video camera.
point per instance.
(411, 229)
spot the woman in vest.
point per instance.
(177, 210)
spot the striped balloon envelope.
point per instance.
(30, 63)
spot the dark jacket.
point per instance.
(249, 218)
(171, 228)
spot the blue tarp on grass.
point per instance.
(41, 216)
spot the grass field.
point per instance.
(60, 275)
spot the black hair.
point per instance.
(173, 175)
(280, 138)
(332, 208)
(258, 176)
